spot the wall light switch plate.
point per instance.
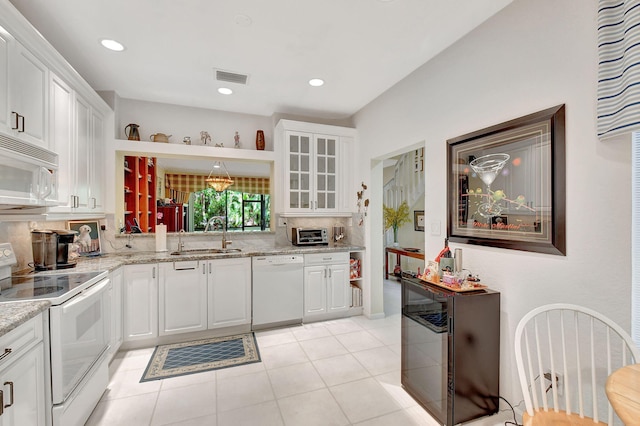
(435, 228)
(282, 222)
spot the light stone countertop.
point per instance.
(111, 261)
(14, 314)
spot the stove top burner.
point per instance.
(38, 291)
(43, 286)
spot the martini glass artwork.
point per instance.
(487, 168)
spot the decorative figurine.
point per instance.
(236, 140)
(205, 137)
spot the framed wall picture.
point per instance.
(506, 184)
(88, 238)
(418, 220)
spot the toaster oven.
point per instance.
(309, 236)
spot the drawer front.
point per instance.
(326, 258)
(20, 339)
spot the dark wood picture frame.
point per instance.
(514, 171)
(418, 220)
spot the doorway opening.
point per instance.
(403, 184)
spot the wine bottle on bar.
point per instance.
(446, 259)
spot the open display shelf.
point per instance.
(140, 193)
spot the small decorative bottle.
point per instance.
(260, 140)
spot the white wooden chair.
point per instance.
(564, 355)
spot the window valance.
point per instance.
(618, 67)
(193, 183)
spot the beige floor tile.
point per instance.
(323, 347)
(294, 379)
(265, 414)
(127, 383)
(387, 335)
(188, 379)
(397, 418)
(363, 399)
(378, 360)
(340, 369)
(317, 408)
(242, 391)
(198, 421)
(310, 331)
(135, 410)
(184, 403)
(269, 338)
(283, 355)
(391, 383)
(240, 370)
(359, 341)
(341, 326)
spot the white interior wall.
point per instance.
(532, 55)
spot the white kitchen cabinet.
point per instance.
(22, 376)
(326, 286)
(140, 302)
(77, 135)
(316, 170)
(229, 292)
(183, 297)
(24, 83)
(116, 300)
(5, 40)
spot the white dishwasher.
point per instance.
(277, 290)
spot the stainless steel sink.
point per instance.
(205, 251)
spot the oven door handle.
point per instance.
(101, 286)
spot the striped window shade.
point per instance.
(618, 67)
(194, 183)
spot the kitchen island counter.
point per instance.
(14, 314)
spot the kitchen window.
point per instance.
(240, 211)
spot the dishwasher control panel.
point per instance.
(281, 259)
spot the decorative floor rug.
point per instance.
(201, 355)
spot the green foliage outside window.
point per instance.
(208, 203)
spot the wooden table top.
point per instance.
(623, 391)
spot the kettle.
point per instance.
(132, 134)
(160, 137)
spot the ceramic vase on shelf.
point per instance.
(395, 237)
(260, 140)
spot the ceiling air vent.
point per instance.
(231, 77)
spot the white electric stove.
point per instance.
(79, 327)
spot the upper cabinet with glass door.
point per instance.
(317, 168)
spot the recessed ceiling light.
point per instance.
(112, 45)
(225, 91)
(243, 20)
(316, 82)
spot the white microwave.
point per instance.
(28, 175)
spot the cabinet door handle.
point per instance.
(204, 272)
(17, 118)
(10, 393)
(153, 273)
(1, 403)
(6, 353)
(209, 267)
(93, 203)
(329, 272)
(21, 129)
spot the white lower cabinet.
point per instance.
(183, 297)
(229, 286)
(140, 302)
(115, 280)
(326, 285)
(22, 376)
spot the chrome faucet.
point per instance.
(219, 219)
(180, 243)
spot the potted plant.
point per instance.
(395, 218)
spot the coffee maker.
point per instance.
(51, 249)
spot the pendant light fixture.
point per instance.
(219, 182)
